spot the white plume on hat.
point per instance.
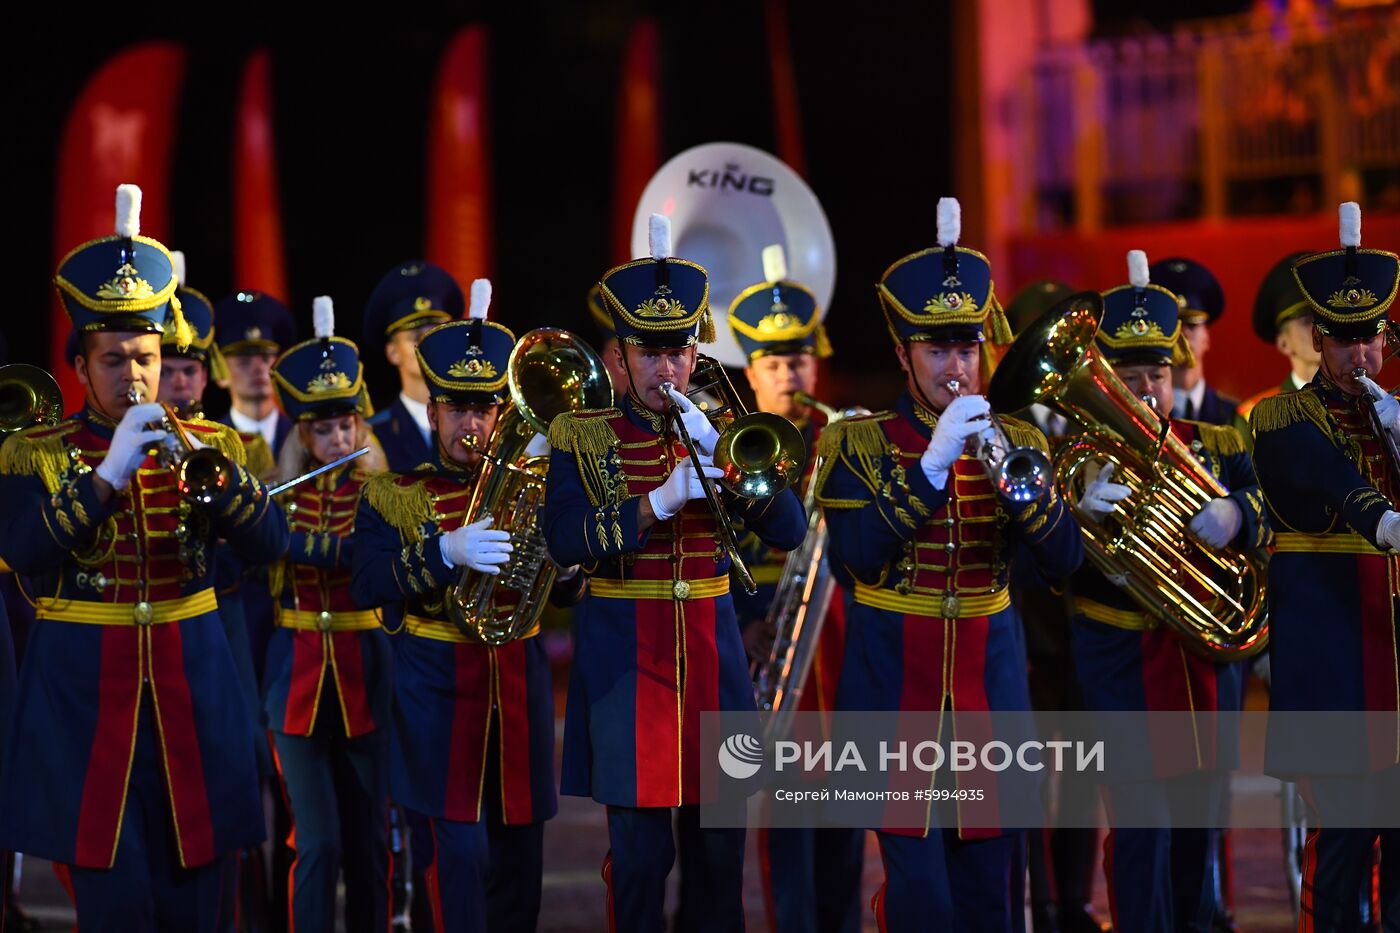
(481, 299)
(323, 316)
(128, 211)
(949, 221)
(774, 263)
(659, 236)
(1349, 223)
(1137, 269)
(177, 263)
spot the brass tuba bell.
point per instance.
(1214, 598)
(28, 396)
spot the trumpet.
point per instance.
(799, 606)
(760, 453)
(1020, 474)
(201, 473)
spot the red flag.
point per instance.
(638, 145)
(787, 117)
(459, 160)
(259, 260)
(120, 130)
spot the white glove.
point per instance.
(1387, 407)
(538, 446)
(680, 487)
(965, 416)
(1100, 495)
(1218, 522)
(1388, 531)
(130, 442)
(476, 546)
(696, 424)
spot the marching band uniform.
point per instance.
(1200, 300)
(1278, 301)
(1332, 496)
(932, 626)
(811, 877)
(1157, 877)
(410, 295)
(472, 745)
(135, 770)
(254, 322)
(657, 640)
(329, 666)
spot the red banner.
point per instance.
(787, 115)
(259, 259)
(120, 130)
(459, 160)
(638, 141)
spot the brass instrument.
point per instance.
(1214, 598)
(28, 396)
(1020, 474)
(760, 453)
(201, 473)
(800, 603)
(1392, 343)
(550, 372)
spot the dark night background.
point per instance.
(352, 96)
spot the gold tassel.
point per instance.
(1280, 411)
(1024, 434)
(260, 460)
(860, 437)
(222, 438)
(1221, 439)
(823, 347)
(1001, 328)
(1181, 352)
(404, 507)
(218, 366)
(276, 578)
(45, 456)
(707, 327)
(183, 333)
(586, 434)
(364, 405)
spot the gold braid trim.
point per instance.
(276, 578)
(862, 437)
(404, 507)
(260, 461)
(1025, 434)
(222, 438)
(1221, 439)
(1280, 411)
(585, 434)
(38, 451)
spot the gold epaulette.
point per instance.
(222, 438)
(1220, 439)
(585, 433)
(405, 506)
(1025, 434)
(38, 451)
(860, 436)
(1278, 412)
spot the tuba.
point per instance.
(28, 396)
(799, 606)
(760, 453)
(1215, 599)
(201, 473)
(550, 372)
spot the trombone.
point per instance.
(760, 453)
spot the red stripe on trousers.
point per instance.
(607, 882)
(471, 715)
(517, 789)
(183, 762)
(1165, 687)
(765, 874)
(1108, 864)
(430, 875)
(920, 693)
(701, 687)
(350, 681)
(657, 738)
(308, 667)
(108, 765)
(1377, 650)
(974, 722)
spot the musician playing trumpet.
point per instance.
(920, 526)
(133, 761)
(811, 877)
(1326, 461)
(472, 745)
(657, 642)
(1127, 660)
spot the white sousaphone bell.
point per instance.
(728, 201)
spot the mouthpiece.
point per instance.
(954, 386)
